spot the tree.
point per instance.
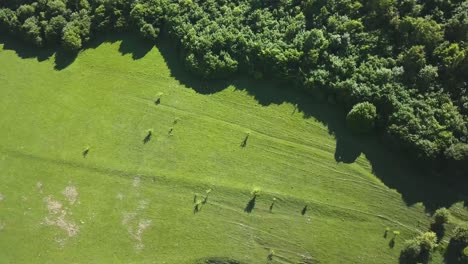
(56, 8)
(419, 249)
(25, 11)
(361, 118)
(458, 246)
(148, 32)
(32, 31)
(421, 31)
(413, 60)
(71, 39)
(53, 30)
(8, 19)
(441, 216)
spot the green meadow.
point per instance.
(119, 156)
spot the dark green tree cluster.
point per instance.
(458, 246)
(419, 249)
(71, 23)
(407, 59)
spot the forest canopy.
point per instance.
(406, 59)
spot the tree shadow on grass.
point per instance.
(453, 254)
(439, 230)
(250, 205)
(130, 44)
(24, 50)
(392, 167)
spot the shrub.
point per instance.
(419, 249)
(411, 251)
(71, 39)
(271, 254)
(457, 251)
(441, 216)
(149, 32)
(255, 192)
(460, 237)
(362, 117)
(86, 151)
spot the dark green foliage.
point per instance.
(31, 31)
(460, 237)
(71, 39)
(53, 30)
(362, 117)
(441, 216)
(148, 32)
(413, 60)
(409, 58)
(419, 249)
(457, 248)
(8, 20)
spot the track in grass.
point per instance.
(134, 191)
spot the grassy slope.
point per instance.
(105, 100)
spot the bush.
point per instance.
(71, 39)
(441, 216)
(460, 237)
(457, 251)
(53, 30)
(149, 32)
(419, 249)
(411, 251)
(361, 118)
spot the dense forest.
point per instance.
(398, 66)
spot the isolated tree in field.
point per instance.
(393, 240)
(244, 142)
(148, 136)
(361, 118)
(272, 204)
(86, 151)
(304, 210)
(271, 255)
(387, 229)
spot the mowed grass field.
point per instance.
(127, 201)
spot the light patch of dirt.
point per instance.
(53, 206)
(136, 181)
(142, 205)
(137, 235)
(58, 217)
(127, 218)
(136, 228)
(2, 226)
(119, 196)
(39, 186)
(2, 197)
(71, 194)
